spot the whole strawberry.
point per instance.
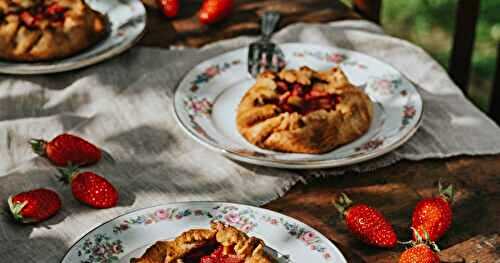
(433, 215)
(90, 188)
(213, 11)
(35, 205)
(67, 149)
(421, 250)
(420, 253)
(367, 223)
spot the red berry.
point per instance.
(420, 253)
(213, 11)
(208, 259)
(67, 149)
(231, 259)
(35, 205)
(55, 9)
(218, 252)
(91, 189)
(27, 18)
(367, 223)
(432, 217)
(170, 8)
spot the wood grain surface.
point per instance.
(187, 30)
(394, 190)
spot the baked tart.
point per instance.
(219, 244)
(40, 30)
(303, 111)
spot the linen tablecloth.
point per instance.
(124, 106)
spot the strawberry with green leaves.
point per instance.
(434, 215)
(367, 223)
(422, 250)
(67, 149)
(420, 253)
(90, 188)
(35, 205)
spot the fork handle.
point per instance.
(268, 24)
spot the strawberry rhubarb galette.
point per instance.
(219, 244)
(37, 30)
(303, 111)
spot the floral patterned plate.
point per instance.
(127, 20)
(206, 100)
(131, 234)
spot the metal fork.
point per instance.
(265, 55)
(280, 258)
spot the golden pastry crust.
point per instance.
(303, 111)
(234, 241)
(39, 30)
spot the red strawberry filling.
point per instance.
(211, 253)
(304, 99)
(32, 16)
(27, 18)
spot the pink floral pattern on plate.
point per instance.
(309, 238)
(211, 72)
(370, 145)
(244, 219)
(408, 114)
(333, 57)
(386, 85)
(198, 107)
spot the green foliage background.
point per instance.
(430, 24)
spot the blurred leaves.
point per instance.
(430, 24)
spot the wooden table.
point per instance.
(395, 189)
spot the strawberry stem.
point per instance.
(342, 203)
(38, 146)
(68, 173)
(107, 156)
(447, 193)
(16, 208)
(426, 240)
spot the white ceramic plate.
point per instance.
(206, 100)
(127, 20)
(131, 234)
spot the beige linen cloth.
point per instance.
(124, 106)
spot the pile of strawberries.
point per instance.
(431, 219)
(71, 152)
(211, 11)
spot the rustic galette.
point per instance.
(38, 30)
(219, 244)
(303, 111)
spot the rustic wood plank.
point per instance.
(186, 29)
(395, 190)
(463, 42)
(480, 248)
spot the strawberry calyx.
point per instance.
(419, 240)
(68, 174)
(342, 203)
(16, 208)
(39, 146)
(447, 193)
